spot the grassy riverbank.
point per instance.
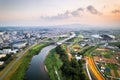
(19, 69)
(53, 64)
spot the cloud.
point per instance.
(76, 13)
(67, 14)
(59, 16)
(92, 10)
(116, 11)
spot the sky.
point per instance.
(59, 12)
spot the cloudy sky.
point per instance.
(59, 12)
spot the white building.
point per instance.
(1, 62)
(78, 57)
(7, 51)
(2, 55)
(20, 45)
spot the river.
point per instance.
(36, 70)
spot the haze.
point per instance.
(59, 12)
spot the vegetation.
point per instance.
(57, 61)
(107, 54)
(71, 70)
(87, 51)
(61, 38)
(115, 44)
(20, 71)
(76, 46)
(71, 40)
(53, 63)
(7, 59)
(75, 40)
(113, 67)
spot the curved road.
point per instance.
(94, 69)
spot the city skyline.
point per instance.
(59, 12)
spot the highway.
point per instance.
(88, 71)
(63, 41)
(94, 69)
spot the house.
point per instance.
(102, 69)
(78, 57)
(2, 55)
(1, 62)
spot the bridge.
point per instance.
(61, 41)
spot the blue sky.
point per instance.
(59, 12)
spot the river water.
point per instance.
(36, 70)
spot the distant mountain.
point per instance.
(67, 26)
(85, 27)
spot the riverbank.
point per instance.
(53, 64)
(37, 65)
(19, 69)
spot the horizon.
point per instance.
(66, 26)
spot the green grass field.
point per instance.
(106, 54)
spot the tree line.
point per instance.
(71, 70)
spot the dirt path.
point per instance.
(112, 73)
(118, 72)
(69, 54)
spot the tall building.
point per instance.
(1, 38)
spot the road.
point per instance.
(94, 69)
(88, 71)
(20, 55)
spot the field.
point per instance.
(113, 69)
(106, 53)
(108, 61)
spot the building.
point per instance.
(20, 44)
(1, 62)
(8, 51)
(106, 37)
(1, 38)
(2, 55)
(78, 57)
